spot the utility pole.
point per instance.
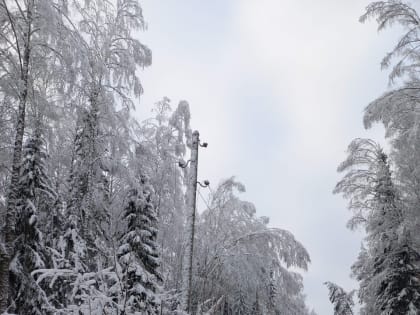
(191, 203)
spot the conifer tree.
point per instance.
(240, 304)
(36, 195)
(388, 269)
(256, 307)
(86, 218)
(34, 43)
(398, 108)
(272, 292)
(342, 301)
(107, 80)
(138, 255)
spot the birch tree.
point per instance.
(163, 143)
(31, 31)
(236, 250)
(107, 84)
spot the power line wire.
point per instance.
(202, 198)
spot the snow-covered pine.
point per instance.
(388, 269)
(138, 252)
(342, 301)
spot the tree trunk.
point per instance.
(13, 196)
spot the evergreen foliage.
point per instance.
(342, 301)
(30, 252)
(138, 252)
(387, 268)
(385, 203)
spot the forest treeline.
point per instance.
(383, 188)
(93, 203)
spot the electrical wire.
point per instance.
(204, 200)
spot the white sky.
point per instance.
(277, 89)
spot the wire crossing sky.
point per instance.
(277, 89)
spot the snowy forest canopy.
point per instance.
(383, 188)
(93, 204)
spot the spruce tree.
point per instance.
(86, 189)
(256, 307)
(342, 301)
(28, 297)
(395, 282)
(73, 244)
(388, 268)
(240, 305)
(272, 292)
(138, 252)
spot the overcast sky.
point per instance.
(277, 88)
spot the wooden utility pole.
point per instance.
(191, 204)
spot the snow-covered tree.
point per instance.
(37, 197)
(86, 192)
(235, 250)
(107, 85)
(398, 109)
(388, 269)
(342, 301)
(256, 307)
(240, 304)
(272, 292)
(138, 255)
(164, 141)
(81, 231)
(390, 12)
(34, 43)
